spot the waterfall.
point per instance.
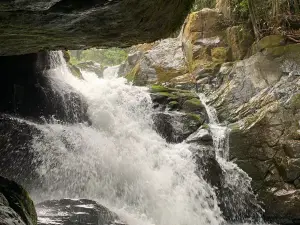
(241, 202)
(120, 161)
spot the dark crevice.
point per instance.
(68, 6)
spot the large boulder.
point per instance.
(259, 96)
(32, 26)
(75, 212)
(17, 159)
(16, 207)
(179, 113)
(162, 62)
(26, 89)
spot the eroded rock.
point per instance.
(16, 207)
(76, 212)
(259, 96)
(32, 26)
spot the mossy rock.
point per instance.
(196, 118)
(132, 76)
(19, 200)
(192, 122)
(172, 105)
(292, 49)
(240, 39)
(75, 71)
(267, 42)
(165, 75)
(192, 105)
(220, 54)
(159, 88)
(167, 94)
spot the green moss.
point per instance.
(234, 127)
(159, 88)
(187, 95)
(132, 75)
(284, 50)
(167, 94)
(166, 75)
(19, 200)
(220, 54)
(193, 120)
(173, 105)
(195, 117)
(75, 71)
(192, 105)
(267, 42)
(205, 126)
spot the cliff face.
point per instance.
(32, 26)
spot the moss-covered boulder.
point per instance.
(32, 26)
(268, 42)
(16, 207)
(192, 105)
(179, 113)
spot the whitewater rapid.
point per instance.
(119, 160)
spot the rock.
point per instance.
(203, 27)
(259, 96)
(193, 105)
(32, 26)
(224, 6)
(91, 66)
(36, 5)
(26, 91)
(220, 54)
(75, 212)
(75, 71)
(16, 137)
(175, 127)
(201, 136)
(16, 207)
(178, 114)
(267, 42)
(161, 63)
(240, 39)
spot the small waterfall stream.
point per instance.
(241, 200)
(121, 162)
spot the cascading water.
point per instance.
(241, 201)
(120, 160)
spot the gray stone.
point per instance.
(32, 26)
(75, 212)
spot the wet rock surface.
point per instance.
(15, 143)
(259, 96)
(26, 91)
(16, 207)
(75, 212)
(179, 113)
(32, 26)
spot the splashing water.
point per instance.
(120, 160)
(241, 201)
